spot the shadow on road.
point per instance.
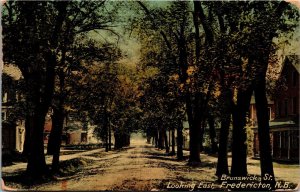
(158, 155)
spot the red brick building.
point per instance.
(287, 101)
(284, 114)
(252, 114)
(72, 132)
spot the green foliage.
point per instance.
(70, 167)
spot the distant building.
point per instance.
(13, 130)
(284, 114)
(74, 131)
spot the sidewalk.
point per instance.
(22, 166)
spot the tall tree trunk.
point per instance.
(106, 142)
(195, 122)
(261, 104)
(197, 118)
(156, 139)
(166, 142)
(105, 126)
(161, 139)
(169, 132)
(117, 140)
(128, 140)
(226, 108)
(54, 143)
(36, 166)
(201, 136)
(159, 145)
(148, 139)
(26, 145)
(209, 38)
(39, 92)
(212, 134)
(179, 141)
(173, 142)
(109, 135)
(55, 136)
(183, 66)
(194, 147)
(222, 165)
(262, 53)
(262, 112)
(239, 136)
(122, 139)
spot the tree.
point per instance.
(95, 80)
(41, 54)
(250, 68)
(36, 58)
(74, 49)
(269, 24)
(175, 39)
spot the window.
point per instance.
(284, 139)
(276, 140)
(3, 116)
(295, 78)
(295, 105)
(270, 113)
(279, 108)
(286, 107)
(4, 97)
(295, 139)
(83, 137)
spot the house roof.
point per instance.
(294, 60)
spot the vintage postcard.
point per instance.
(150, 95)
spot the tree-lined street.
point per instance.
(213, 86)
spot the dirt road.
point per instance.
(142, 167)
(131, 168)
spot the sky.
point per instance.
(295, 2)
